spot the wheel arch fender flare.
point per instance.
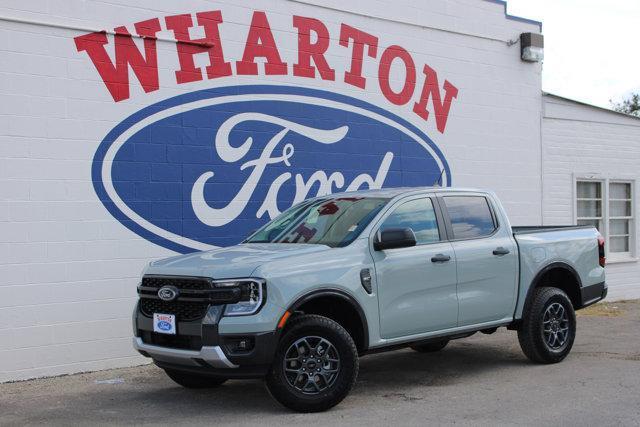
(335, 293)
(558, 265)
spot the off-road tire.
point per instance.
(430, 347)
(195, 381)
(279, 384)
(531, 331)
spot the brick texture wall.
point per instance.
(580, 141)
(68, 268)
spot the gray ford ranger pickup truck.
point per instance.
(339, 276)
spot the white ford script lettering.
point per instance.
(227, 153)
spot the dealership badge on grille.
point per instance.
(168, 293)
(164, 323)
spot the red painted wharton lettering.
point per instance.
(260, 47)
(308, 51)
(116, 75)
(187, 47)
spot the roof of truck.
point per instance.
(393, 192)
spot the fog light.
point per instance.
(240, 345)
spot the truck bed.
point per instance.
(541, 246)
(530, 229)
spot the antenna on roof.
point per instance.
(438, 182)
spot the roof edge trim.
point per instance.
(586, 104)
(513, 17)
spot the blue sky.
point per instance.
(591, 46)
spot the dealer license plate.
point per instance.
(164, 323)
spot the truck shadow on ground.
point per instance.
(453, 364)
(383, 375)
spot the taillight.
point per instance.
(602, 259)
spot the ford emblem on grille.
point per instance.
(168, 293)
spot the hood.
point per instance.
(235, 261)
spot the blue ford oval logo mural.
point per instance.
(202, 170)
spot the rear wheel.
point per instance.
(548, 326)
(430, 347)
(188, 380)
(315, 366)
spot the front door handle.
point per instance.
(501, 251)
(440, 258)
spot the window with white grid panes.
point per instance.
(608, 206)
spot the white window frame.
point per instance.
(604, 181)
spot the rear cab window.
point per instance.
(471, 216)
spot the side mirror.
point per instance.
(393, 238)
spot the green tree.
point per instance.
(630, 105)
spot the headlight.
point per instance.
(252, 293)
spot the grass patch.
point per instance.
(603, 309)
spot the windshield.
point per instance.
(334, 222)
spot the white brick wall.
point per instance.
(68, 269)
(583, 141)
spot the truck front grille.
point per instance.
(183, 310)
(192, 304)
(182, 283)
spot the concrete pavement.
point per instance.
(481, 380)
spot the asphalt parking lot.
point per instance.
(480, 380)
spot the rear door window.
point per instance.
(470, 216)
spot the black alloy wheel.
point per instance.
(548, 326)
(315, 366)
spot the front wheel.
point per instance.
(315, 366)
(188, 380)
(548, 326)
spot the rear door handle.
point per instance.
(440, 258)
(501, 251)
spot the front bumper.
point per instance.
(199, 347)
(212, 356)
